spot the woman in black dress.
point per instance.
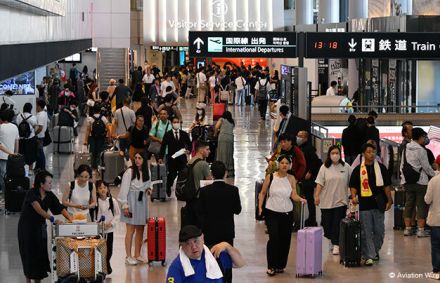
(32, 229)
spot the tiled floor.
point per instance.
(400, 256)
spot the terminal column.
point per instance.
(356, 9)
(328, 11)
(304, 12)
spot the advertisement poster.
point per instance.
(23, 84)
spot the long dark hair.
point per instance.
(228, 116)
(145, 173)
(202, 116)
(328, 162)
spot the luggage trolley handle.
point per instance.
(302, 217)
(353, 211)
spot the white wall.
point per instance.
(174, 18)
(111, 23)
(21, 27)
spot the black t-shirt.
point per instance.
(137, 137)
(368, 203)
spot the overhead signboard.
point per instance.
(373, 45)
(242, 44)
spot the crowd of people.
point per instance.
(145, 123)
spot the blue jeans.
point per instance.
(240, 96)
(372, 232)
(435, 248)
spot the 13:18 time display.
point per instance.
(324, 44)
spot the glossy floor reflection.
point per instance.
(407, 255)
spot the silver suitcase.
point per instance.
(62, 139)
(112, 165)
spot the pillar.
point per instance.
(304, 12)
(328, 11)
(356, 9)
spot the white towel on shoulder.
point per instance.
(212, 269)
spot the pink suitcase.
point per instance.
(308, 250)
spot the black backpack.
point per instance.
(24, 129)
(185, 186)
(262, 90)
(99, 129)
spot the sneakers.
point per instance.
(421, 233)
(369, 262)
(141, 260)
(335, 250)
(376, 258)
(130, 261)
(408, 231)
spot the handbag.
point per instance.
(47, 140)
(411, 176)
(154, 147)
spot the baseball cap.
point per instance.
(189, 232)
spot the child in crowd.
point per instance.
(109, 207)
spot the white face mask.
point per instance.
(200, 112)
(176, 126)
(299, 141)
(335, 157)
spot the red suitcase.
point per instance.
(218, 110)
(156, 239)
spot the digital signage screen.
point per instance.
(23, 84)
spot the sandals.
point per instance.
(270, 272)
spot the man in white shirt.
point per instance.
(28, 145)
(42, 120)
(124, 118)
(331, 91)
(148, 80)
(262, 89)
(166, 83)
(9, 138)
(240, 82)
(201, 86)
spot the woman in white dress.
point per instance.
(135, 186)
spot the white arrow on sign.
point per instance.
(198, 42)
(352, 45)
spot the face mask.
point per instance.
(299, 141)
(335, 157)
(200, 112)
(176, 126)
(427, 140)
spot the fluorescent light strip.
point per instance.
(270, 18)
(234, 14)
(258, 18)
(246, 14)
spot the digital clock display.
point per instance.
(326, 45)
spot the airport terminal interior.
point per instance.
(332, 58)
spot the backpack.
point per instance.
(24, 129)
(99, 130)
(111, 207)
(185, 186)
(262, 91)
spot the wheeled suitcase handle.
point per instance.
(302, 218)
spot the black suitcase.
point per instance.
(159, 172)
(15, 166)
(258, 188)
(399, 207)
(15, 192)
(350, 242)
